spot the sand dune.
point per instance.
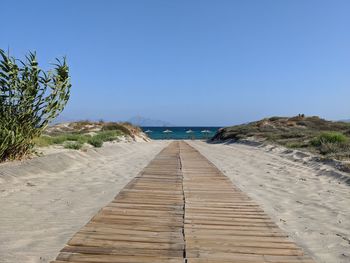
(313, 209)
(46, 200)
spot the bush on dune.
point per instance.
(61, 139)
(108, 136)
(30, 98)
(104, 136)
(43, 141)
(113, 126)
(329, 137)
(81, 138)
(96, 142)
(70, 140)
(329, 143)
(73, 145)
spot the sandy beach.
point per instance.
(314, 210)
(47, 199)
(44, 201)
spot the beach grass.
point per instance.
(73, 145)
(329, 137)
(77, 140)
(96, 142)
(46, 140)
(104, 136)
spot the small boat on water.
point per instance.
(189, 131)
(167, 131)
(148, 131)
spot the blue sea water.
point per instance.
(180, 133)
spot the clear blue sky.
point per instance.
(191, 62)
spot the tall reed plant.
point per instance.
(29, 99)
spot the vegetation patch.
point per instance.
(112, 126)
(29, 99)
(104, 136)
(74, 135)
(107, 136)
(73, 145)
(96, 142)
(331, 139)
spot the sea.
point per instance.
(180, 133)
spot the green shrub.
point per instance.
(107, 136)
(292, 135)
(43, 141)
(72, 137)
(46, 140)
(96, 142)
(331, 148)
(29, 99)
(329, 137)
(73, 145)
(77, 137)
(330, 143)
(60, 139)
(116, 127)
(103, 136)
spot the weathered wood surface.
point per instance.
(144, 223)
(181, 208)
(222, 224)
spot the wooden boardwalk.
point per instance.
(181, 208)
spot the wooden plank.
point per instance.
(222, 224)
(181, 208)
(124, 251)
(143, 224)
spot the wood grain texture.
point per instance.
(181, 208)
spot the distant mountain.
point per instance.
(346, 120)
(146, 122)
